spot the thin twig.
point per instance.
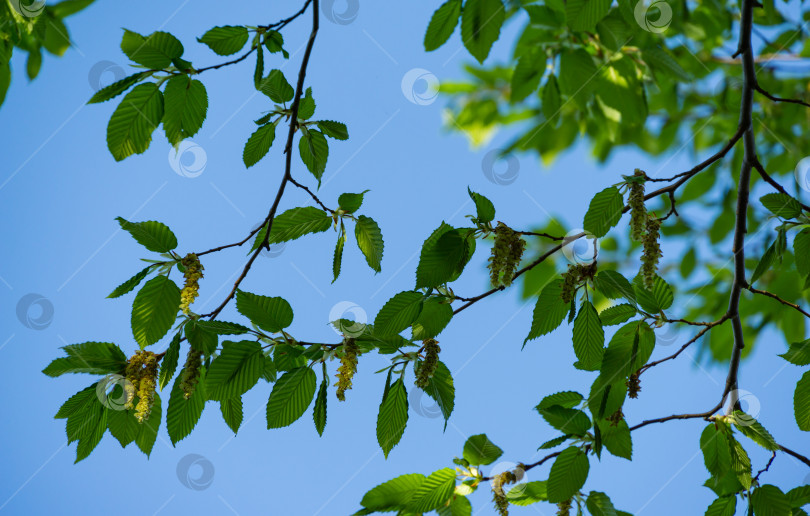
(774, 296)
(780, 99)
(768, 179)
(314, 197)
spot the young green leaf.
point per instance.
(183, 414)
(551, 98)
(781, 205)
(567, 399)
(393, 494)
(769, 500)
(155, 51)
(130, 128)
(314, 151)
(798, 353)
(392, 417)
(604, 212)
(154, 236)
(272, 314)
(617, 439)
(567, 475)
(435, 316)
(566, 420)
(235, 371)
(480, 451)
(583, 15)
(370, 241)
(332, 129)
(484, 209)
(526, 76)
(131, 283)
(440, 388)
(276, 87)
(549, 311)
(617, 314)
(751, 428)
(442, 24)
(154, 310)
(306, 107)
(442, 254)
(186, 104)
(801, 402)
(723, 506)
(319, 412)
(297, 222)
(232, 412)
(225, 40)
(481, 22)
(148, 430)
(169, 363)
(351, 202)
(292, 394)
(88, 357)
(434, 492)
(589, 338)
(599, 504)
(398, 313)
(258, 145)
(338, 256)
(116, 88)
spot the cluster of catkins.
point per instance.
(498, 495)
(191, 372)
(506, 254)
(644, 228)
(192, 274)
(141, 374)
(564, 508)
(348, 366)
(573, 277)
(428, 366)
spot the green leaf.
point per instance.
(567, 475)
(225, 40)
(398, 313)
(751, 428)
(613, 285)
(526, 76)
(458, 506)
(93, 424)
(258, 145)
(338, 256)
(765, 263)
(621, 94)
(435, 316)
(583, 15)
(442, 24)
(723, 506)
(314, 152)
(442, 254)
(392, 417)
(292, 394)
(235, 371)
(740, 462)
(393, 494)
(123, 426)
(232, 412)
(186, 104)
(604, 212)
(274, 42)
(660, 60)
(567, 399)
(440, 388)
(116, 88)
(781, 205)
(589, 338)
(801, 252)
(617, 314)
(370, 241)
(433, 492)
(616, 438)
(201, 338)
(549, 311)
(130, 128)
(552, 103)
(351, 202)
(33, 64)
(268, 313)
(154, 236)
(295, 223)
(566, 420)
(653, 300)
(131, 283)
(319, 412)
(577, 74)
(799, 496)
(88, 357)
(155, 51)
(154, 310)
(183, 414)
(801, 402)
(798, 353)
(306, 106)
(769, 500)
(528, 493)
(628, 350)
(276, 87)
(481, 22)
(480, 451)
(169, 363)
(484, 209)
(715, 449)
(76, 403)
(147, 433)
(332, 129)
(599, 504)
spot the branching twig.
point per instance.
(768, 179)
(314, 197)
(779, 99)
(691, 341)
(774, 296)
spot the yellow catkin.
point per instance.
(191, 372)
(133, 378)
(498, 495)
(651, 251)
(638, 212)
(428, 366)
(193, 274)
(506, 254)
(347, 368)
(146, 387)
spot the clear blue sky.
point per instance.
(61, 191)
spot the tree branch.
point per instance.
(774, 296)
(758, 88)
(768, 179)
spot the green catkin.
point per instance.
(191, 372)
(573, 277)
(564, 508)
(651, 251)
(638, 212)
(498, 495)
(193, 274)
(506, 254)
(348, 366)
(133, 378)
(146, 387)
(428, 366)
